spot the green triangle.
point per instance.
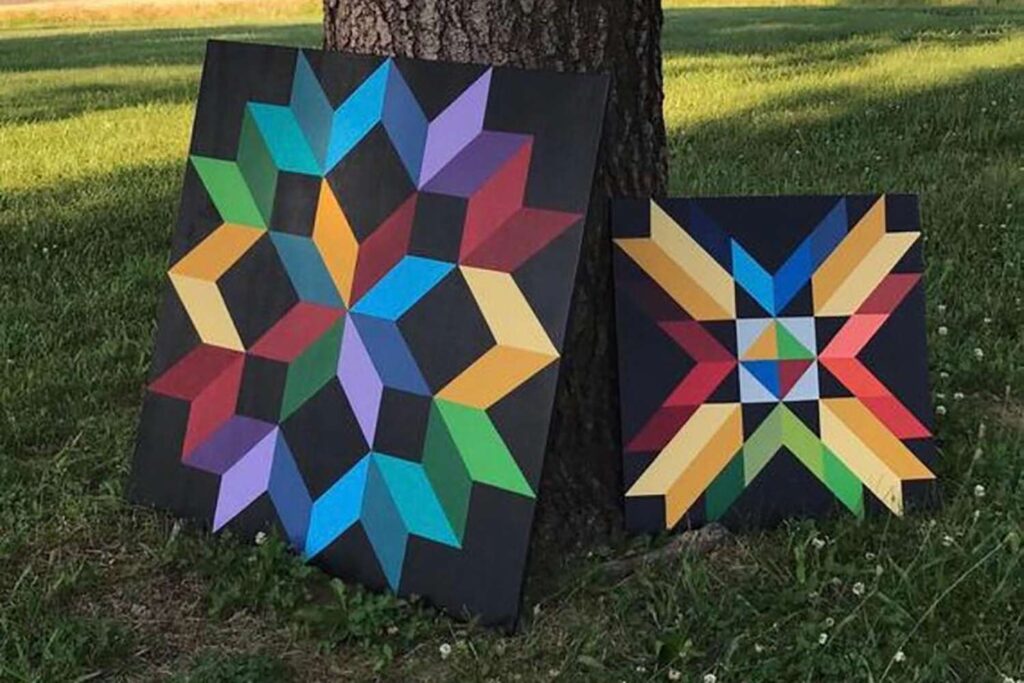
(843, 483)
(446, 471)
(229, 191)
(486, 457)
(308, 373)
(725, 488)
(789, 347)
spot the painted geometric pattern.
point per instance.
(754, 375)
(356, 325)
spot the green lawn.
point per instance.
(94, 126)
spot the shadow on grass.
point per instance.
(55, 103)
(793, 33)
(138, 47)
(83, 266)
(850, 123)
(795, 38)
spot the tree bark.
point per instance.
(581, 481)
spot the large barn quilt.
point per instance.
(772, 358)
(368, 292)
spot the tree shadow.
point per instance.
(137, 47)
(792, 31)
(843, 122)
(83, 265)
(54, 103)
(72, 89)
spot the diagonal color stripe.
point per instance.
(867, 274)
(752, 277)
(890, 293)
(679, 246)
(867, 448)
(762, 445)
(679, 285)
(855, 333)
(507, 312)
(217, 252)
(692, 459)
(494, 375)
(405, 284)
(854, 247)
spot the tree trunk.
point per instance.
(582, 473)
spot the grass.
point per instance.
(94, 126)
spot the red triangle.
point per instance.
(790, 371)
(519, 238)
(659, 430)
(384, 248)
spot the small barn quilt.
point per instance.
(772, 358)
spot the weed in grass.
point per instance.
(214, 667)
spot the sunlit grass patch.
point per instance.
(98, 12)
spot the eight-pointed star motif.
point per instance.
(356, 277)
(705, 445)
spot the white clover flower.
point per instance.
(942, 308)
(940, 410)
(899, 656)
(392, 630)
(958, 396)
(261, 538)
(943, 330)
(944, 375)
(987, 320)
(674, 675)
(710, 678)
(446, 650)
(979, 354)
(554, 673)
(822, 638)
(758, 648)
(979, 491)
(858, 588)
(878, 570)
